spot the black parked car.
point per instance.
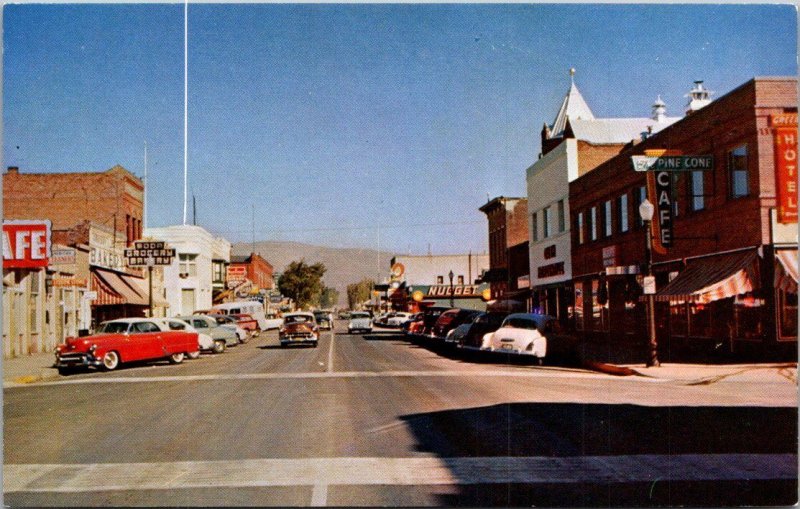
(482, 324)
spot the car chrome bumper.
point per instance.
(77, 359)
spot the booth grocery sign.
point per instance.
(26, 244)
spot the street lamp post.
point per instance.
(451, 289)
(646, 210)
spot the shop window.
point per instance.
(546, 222)
(747, 313)
(599, 306)
(607, 218)
(737, 171)
(696, 194)
(787, 310)
(188, 264)
(576, 310)
(678, 319)
(579, 228)
(562, 218)
(592, 223)
(701, 320)
(534, 227)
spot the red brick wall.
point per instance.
(517, 223)
(259, 271)
(739, 117)
(591, 156)
(67, 199)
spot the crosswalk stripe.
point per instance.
(395, 471)
(523, 373)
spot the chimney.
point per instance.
(13, 169)
(659, 110)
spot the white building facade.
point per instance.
(188, 280)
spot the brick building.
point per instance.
(574, 144)
(509, 270)
(257, 270)
(729, 279)
(112, 198)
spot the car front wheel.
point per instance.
(193, 355)
(219, 346)
(110, 361)
(176, 358)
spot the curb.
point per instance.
(610, 369)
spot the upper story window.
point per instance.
(562, 218)
(579, 228)
(696, 194)
(188, 264)
(218, 275)
(607, 218)
(546, 223)
(592, 223)
(439, 280)
(534, 227)
(622, 213)
(737, 171)
(460, 280)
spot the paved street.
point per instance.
(377, 420)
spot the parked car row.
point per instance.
(524, 334)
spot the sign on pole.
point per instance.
(673, 163)
(143, 250)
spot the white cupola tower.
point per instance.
(699, 96)
(659, 110)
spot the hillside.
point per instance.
(345, 265)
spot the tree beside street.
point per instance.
(359, 292)
(303, 283)
(329, 297)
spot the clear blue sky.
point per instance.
(382, 126)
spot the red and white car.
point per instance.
(126, 340)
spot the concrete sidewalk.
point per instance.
(29, 368)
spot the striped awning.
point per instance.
(786, 272)
(709, 279)
(115, 288)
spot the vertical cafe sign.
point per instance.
(785, 133)
(26, 244)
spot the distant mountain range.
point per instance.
(344, 265)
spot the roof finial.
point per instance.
(572, 75)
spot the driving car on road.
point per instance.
(360, 321)
(298, 329)
(324, 319)
(125, 340)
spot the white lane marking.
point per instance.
(323, 472)
(319, 495)
(525, 373)
(330, 354)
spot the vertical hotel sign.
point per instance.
(785, 133)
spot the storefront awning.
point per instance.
(709, 279)
(114, 288)
(786, 271)
(141, 287)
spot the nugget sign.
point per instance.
(26, 244)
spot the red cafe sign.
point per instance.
(785, 133)
(26, 244)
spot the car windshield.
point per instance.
(520, 323)
(297, 319)
(113, 327)
(359, 315)
(320, 315)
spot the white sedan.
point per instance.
(397, 319)
(204, 341)
(523, 334)
(359, 322)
